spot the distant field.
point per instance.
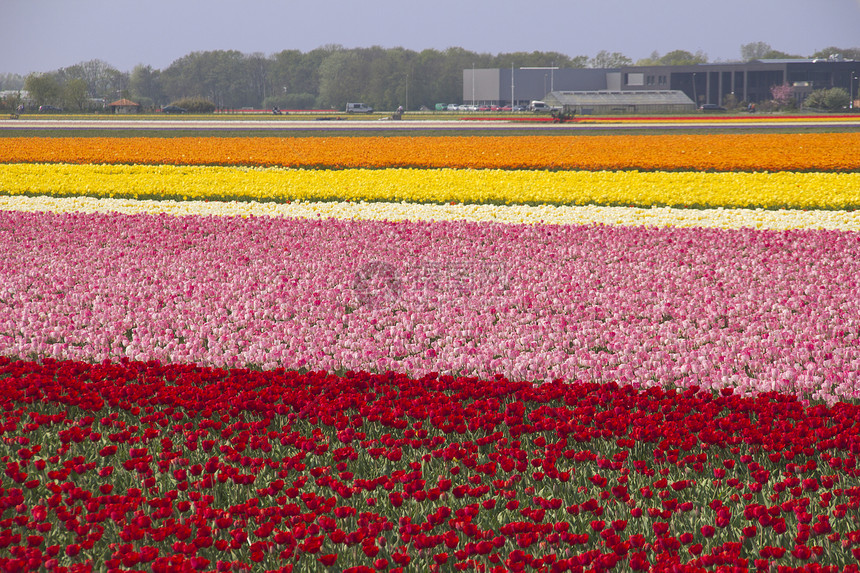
(415, 124)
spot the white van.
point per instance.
(539, 106)
(358, 108)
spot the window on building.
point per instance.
(635, 79)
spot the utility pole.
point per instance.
(552, 70)
(473, 83)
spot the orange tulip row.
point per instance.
(711, 152)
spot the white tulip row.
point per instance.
(516, 214)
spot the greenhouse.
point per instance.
(608, 102)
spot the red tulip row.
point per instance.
(178, 467)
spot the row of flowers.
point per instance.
(172, 468)
(725, 119)
(793, 190)
(709, 152)
(404, 211)
(180, 467)
(753, 310)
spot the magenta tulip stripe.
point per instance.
(750, 310)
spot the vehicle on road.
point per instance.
(173, 109)
(358, 108)
(712, 107)
(49, 109)
(539, 107)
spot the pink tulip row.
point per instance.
(754, 310)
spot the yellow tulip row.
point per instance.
(791, 190)
(781, 220)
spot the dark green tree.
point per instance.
(219, 76)
(343, 78)
(257, 73)
(145, 86)
(44, 89)
(76, 95)
(754, 51)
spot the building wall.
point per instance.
(494, 86)
(481, 85)
(749, 82)
(703, 83)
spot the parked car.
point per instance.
(712, 107)
(173, 109)
(49, 109)
(453, 107)
(518, 108)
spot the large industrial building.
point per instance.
(748, 82)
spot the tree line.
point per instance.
(324, 78)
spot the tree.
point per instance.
(763, 51)
(75, 94)
(754, 51)
(604, 59)
(683, 58)
(102, 79)
(10, 101)
(342, 79)
(220, 76)
(652, 60)
(388, 71)
(292, 73)
(777, 55)
(830, 100)
(834, 52)
(44, 89)
(783, 95)
(430, 81)
(10, 82)
(257, 68)
(836, 99)
(535, 59)
(145, 86)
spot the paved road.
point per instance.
(380, 125)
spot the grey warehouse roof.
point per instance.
(632, 97)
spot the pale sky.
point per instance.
(45, 35)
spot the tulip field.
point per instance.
(535, 353)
